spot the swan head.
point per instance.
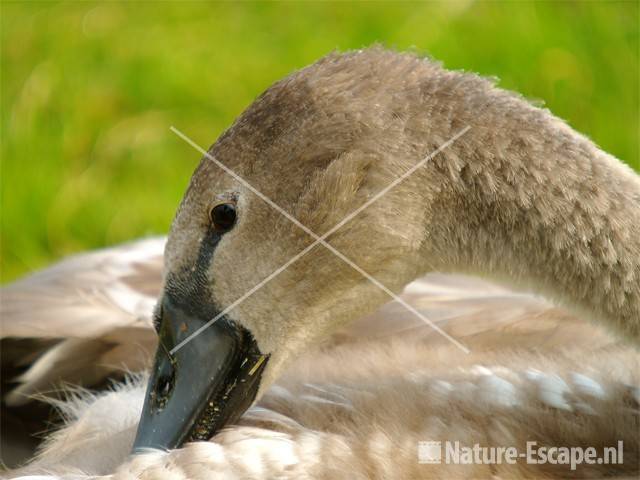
(316, 146)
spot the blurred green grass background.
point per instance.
(89, 91)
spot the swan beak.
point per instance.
(204, 384)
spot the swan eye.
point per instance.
(223, 217)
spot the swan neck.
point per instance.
(551, 213)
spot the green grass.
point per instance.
(89, 91)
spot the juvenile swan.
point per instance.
(518, 195)
(508, 191)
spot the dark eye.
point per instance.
(223, 217)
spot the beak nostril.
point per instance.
(164, 385)
(162, 390)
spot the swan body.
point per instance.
(519, 196)
(370, 393)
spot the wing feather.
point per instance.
(93, 310)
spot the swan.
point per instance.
(518, 196)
